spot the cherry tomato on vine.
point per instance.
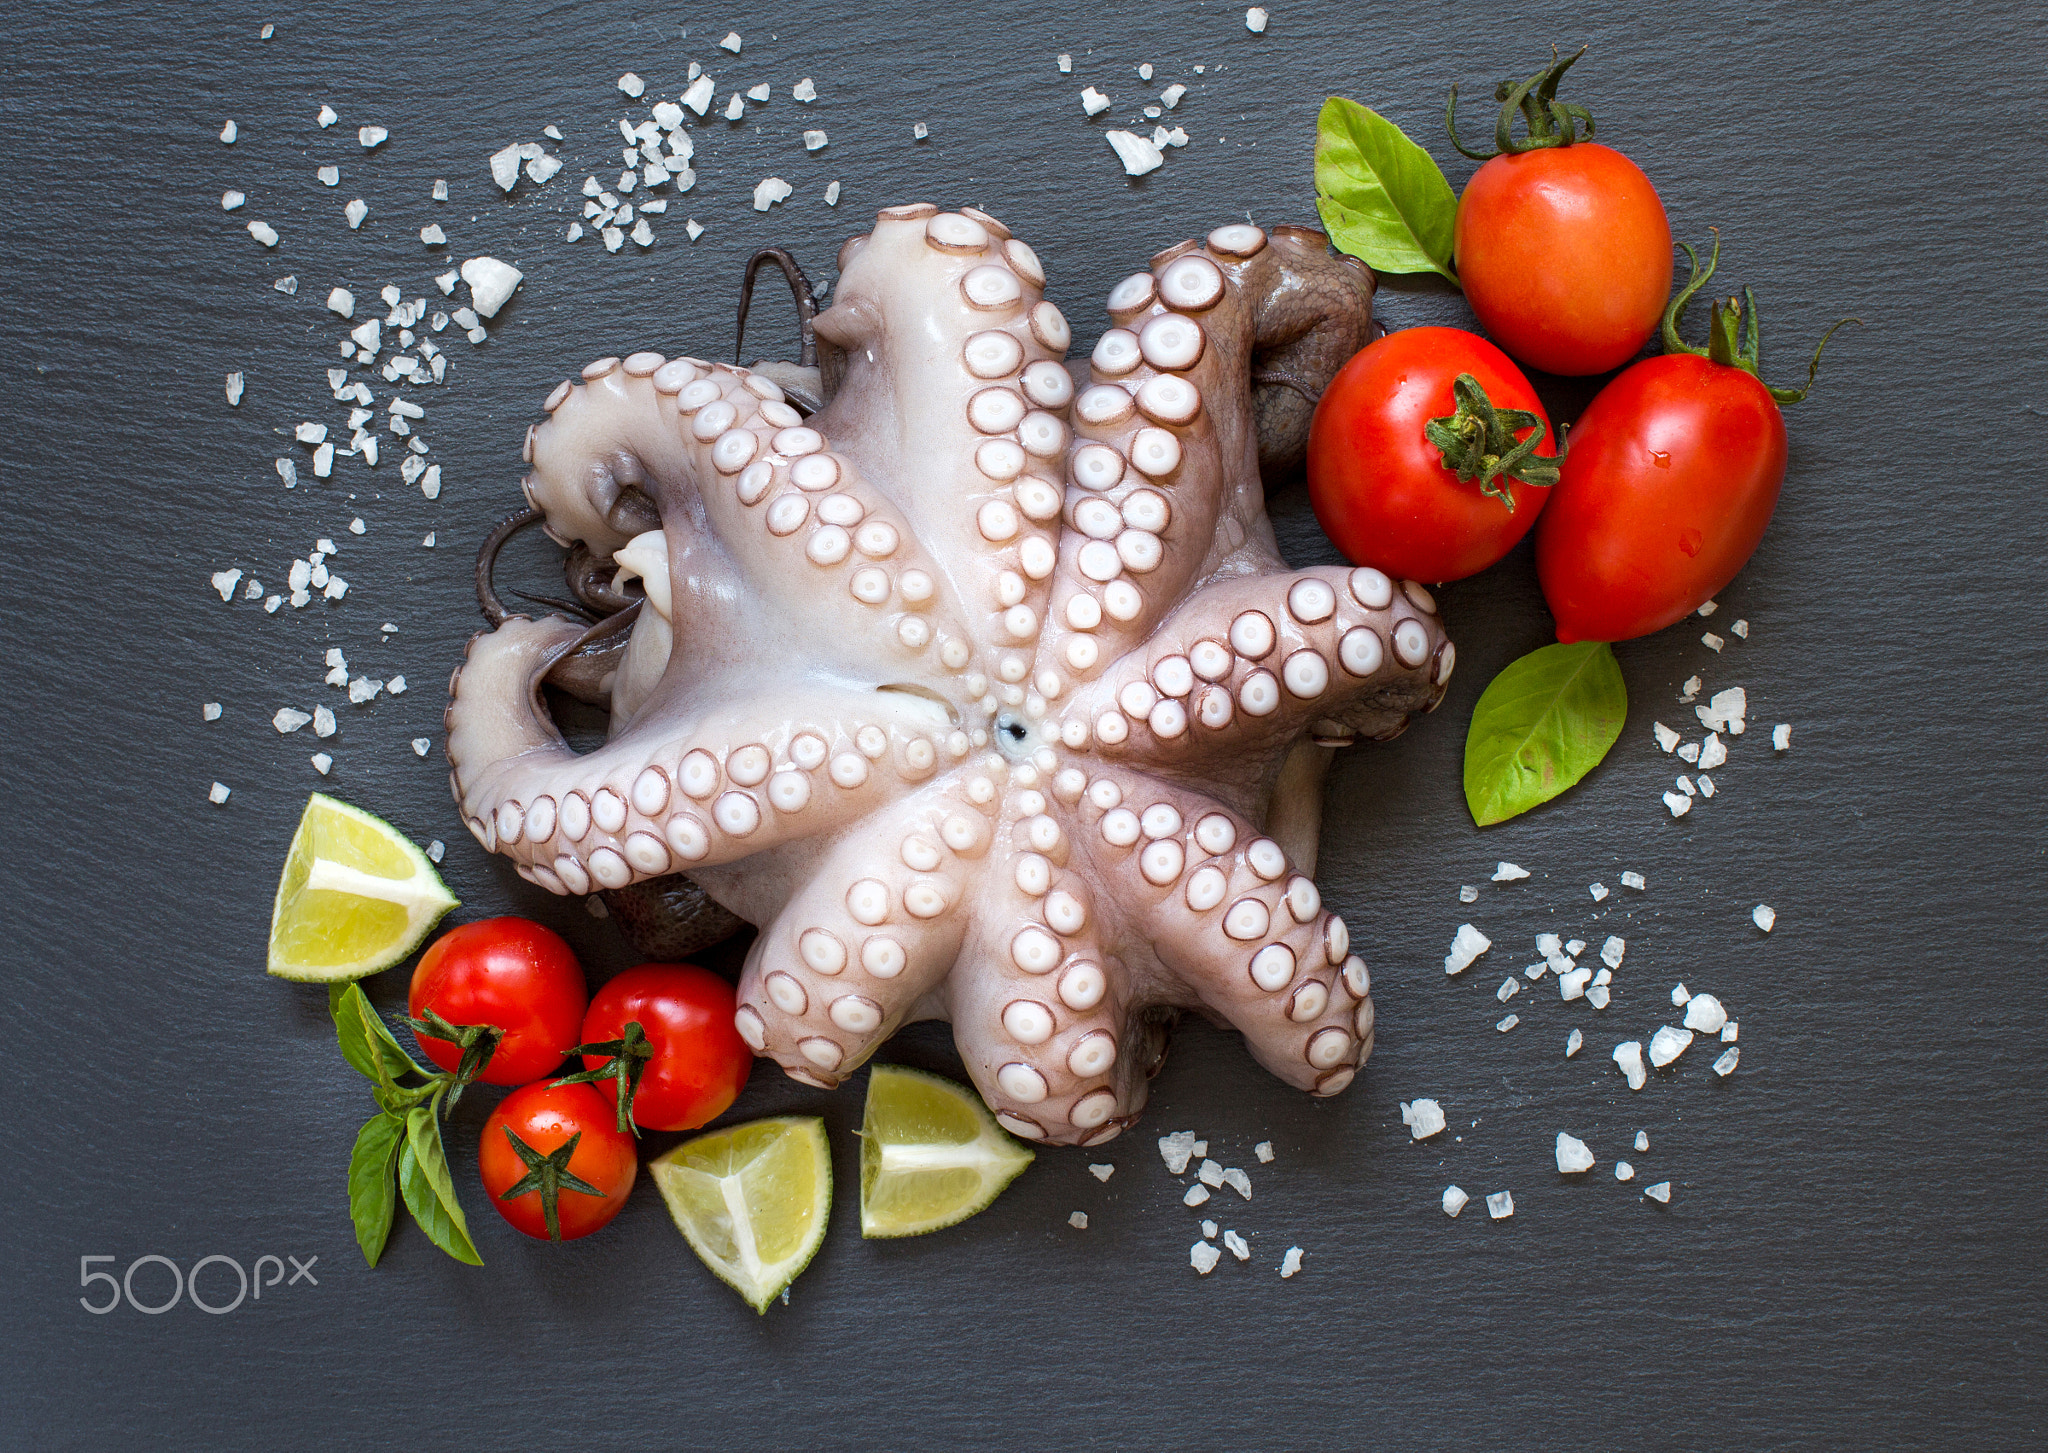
(1562, 244)
(554, 1161)
(685, 1064)
(1673, 474)
(1388, 426)
(517, 980)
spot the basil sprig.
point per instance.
(1540, 726)
(1383, 199)
(403, 1136)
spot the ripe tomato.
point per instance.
(543, 1185)
(510, 973)
(1674, 471)
(1565, 256)
(1379, 485)
(695, 1062)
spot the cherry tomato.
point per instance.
(507, 972)
(1673, 472)
(697, 1062)
(1565, 256)
(1379, 485)
(585, 1186)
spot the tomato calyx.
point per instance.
(1549, 122)
(1478, 442)
(1732, 328)
(478, 1042)
(549, 1175)
(625, 1061)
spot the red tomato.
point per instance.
(582, 1188)
(508, 972)
(1673, 472)
(1380, 487)
(1565, 256)
(698, 1062)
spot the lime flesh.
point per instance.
(752, 1201)
(930, 1155)
(355, 896)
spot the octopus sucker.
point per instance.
(969, 673)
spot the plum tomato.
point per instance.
(1562, 244)
(513, 977)
(1377, 461)
(554, 1161)
(686, 1063)
(1673, 473)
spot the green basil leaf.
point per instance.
(366, 1042)
(372, 1196)
(1541, 725)
(428, 1188)
(1383, 198)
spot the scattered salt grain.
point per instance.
(832, 194)
(1509, 987)
(642, 234)
(1079, 1220)
(322, 763)
(1138, 155)
(1170, 97)
(814, 140)
(632, 85)
(1255, 20)
(1729, 1032)
(210, 711)
(356, 211)
(230, 200)
(1642, 1140)
(446, 281)
(1680, 996)
(1764, 917)
(1500, 1205)
(1690, 752)
(1708, 609)
(1176, 1150)
(1725, 711)
(1237, 1245)
(1661, 1192)
(1713, 752)
(1201, 1149)
(1611, 951)
(490, 283)
(1690, 690)
(770, 191)
(1509, 873)
(1725, 1065)
(218, 793)
(290, 719)
(1209, 1172)
(287, 284)
(1238, 1181)
(920, 131)
(323, 722)
(731, 42)
(735, 107)
(1264, 1151)
(1203, 1257)
(1623, 1171)
(1291, 1262)
(1573, 1158)
(328, 116)
(1781, 736)
(441, 186)
(1093, 101)
(1598, 890)
(1666, 738)
(1629, 1056)
(1598, 995)
(1740, 629)
(698, 97)
(1678, 802)
(1469, 944)
(342, 301)
(420, 745)
(427, 540)
(1712, 642)
(1704, 1013)
(1195, 1196)
(435, 850)
(1102, 1172)
(1571, 984)
(433, 236)
(1423, 1118)
(1685, 785)
(1468, 894)
(225, 581)
(1454, 1201)
(1508, 1023)
(234, 387)
(694, 228)
(1572, 1043)
(395, 686)
(1667, 1044)
(1066, 64)
(1635, 881)
(430, 482)
(266, 234)
(804, 90)
(228, 133)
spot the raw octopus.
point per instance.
(984, 692)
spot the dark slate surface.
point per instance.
(1853, 1251)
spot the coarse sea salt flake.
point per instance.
(1203, 1257)
(1455, 1200)
(1635, 881)
(632, 85)
(355, 212)
(328, 116)
(1725, 1065)
(1423, 1118)
(1468, 894)
(234, 388)
(1704, 1013)
(1598, 890)
(1571, 984)
(218, 793)
(230, 200)
(1102, 1172)
(322, 763)
(1176, 1150)
(1678, 802)
(735, 107)
(1291, 1262)
(731, 42)
(1725, 711)
(1468, 945)
(769, 191)
(1611, 951)
(323, 722)
(1209, 1172)
(1500, 1205)
(490, 283)
(1623, 1171)
(1509, 873)
(266, 234)
(342, 301)
(1661, 1192)
(1237, 1245)
(759, 93)
(920, 131)
(1509, 987)
(1667, 1044)
(290, 719)
(433, 236)
(371, 136)
(1196, 1195)
(1255, 20)
(1079, 1220)
(420, 745)
(698, 97)
(814, 140)
(435, 850)
(1781, 736)
(225, 581)
(1572, 1043)
(1238, 1181)
(1138, 155)
(1713, 752)
(1264, 1151)
(1666, 738)
(229, 132)
(1170, 97)
(1573, 1158)
(1764, 917)
(1508, 1023)
(1740, 630)
(1093, 101)
(1629, 1056)
(210, 711)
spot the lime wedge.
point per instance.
(930, 1154)
(752, 1201)
(356, 896)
